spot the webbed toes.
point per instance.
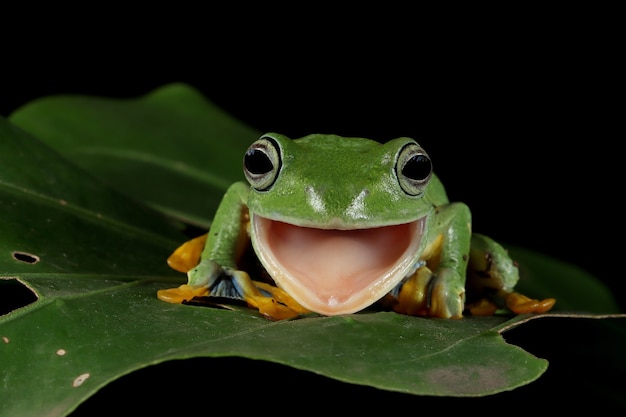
(273, 302)
(187, 255)
(281, 297)
(182, 293)
(272, 309)
(521, 304)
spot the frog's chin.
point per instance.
(335, 272)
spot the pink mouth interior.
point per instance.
(327, 268)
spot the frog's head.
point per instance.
(337, 221)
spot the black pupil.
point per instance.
(418, 167)
(257, 162)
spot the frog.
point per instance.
(339, 225)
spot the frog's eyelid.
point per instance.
(413, 168)
(262, 163)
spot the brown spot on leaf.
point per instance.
(78, 381)
(472, 379)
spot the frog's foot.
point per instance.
(521, 304)
(209, 279)
(187, 255)
(183, 293)
(427, 294)
(274, 303)
(280, 298)
(203, 277)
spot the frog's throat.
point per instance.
(335, 272)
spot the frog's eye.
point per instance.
(413, 169)
(261, 163)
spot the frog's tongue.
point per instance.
(336, 271)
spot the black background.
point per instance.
(519, 112)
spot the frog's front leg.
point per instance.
(437, 289)
(213, 271)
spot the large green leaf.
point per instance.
(95, 257)
(172, 148)
(61, 215)
(107, 328)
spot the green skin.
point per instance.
(331, 185)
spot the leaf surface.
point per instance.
(172, 148)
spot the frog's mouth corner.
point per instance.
(335, 272)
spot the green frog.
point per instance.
(340, 224)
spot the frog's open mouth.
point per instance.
(336, 271)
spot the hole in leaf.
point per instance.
(25, 257)
(14, 295)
